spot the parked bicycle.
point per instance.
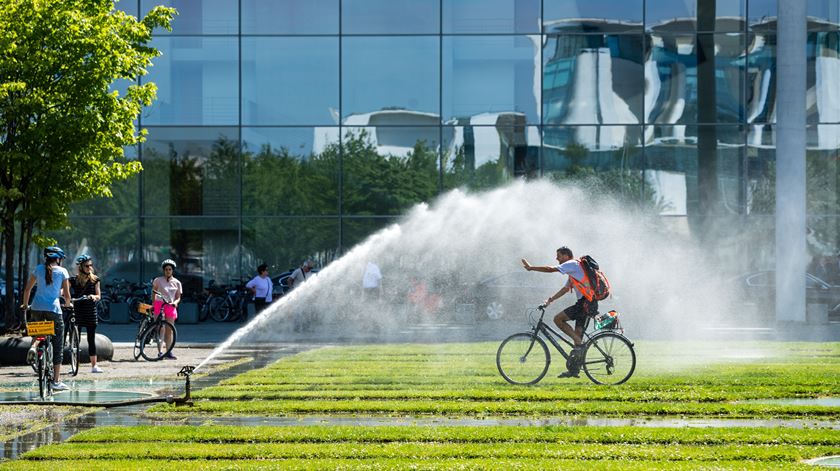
(608, 356)
(140, 294)
(230, 307)
(151, 334)
(113, 293)
(41, 333)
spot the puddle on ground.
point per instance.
(820, 401)
(74, 395)
(828, 461)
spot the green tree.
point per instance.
(63, 129)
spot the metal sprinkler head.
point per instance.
(186, 372)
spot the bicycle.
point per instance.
(230, 307)
(73, 335)
(152, 332)
(608, 356)
(41, 333)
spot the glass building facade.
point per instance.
(287, 129)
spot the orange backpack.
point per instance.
(595, 286)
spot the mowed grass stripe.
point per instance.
(429, 450)
(401, 463)
(465, 434)
(696, 394)
(510, 408)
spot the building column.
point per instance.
(791, 250)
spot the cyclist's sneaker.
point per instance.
(96, 369)
(31, 355)
(170, 356)
(59, 386)
(569, 374)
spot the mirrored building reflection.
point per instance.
(281, 140)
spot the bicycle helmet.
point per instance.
(82, 259)
(169, 262)
(54, 252)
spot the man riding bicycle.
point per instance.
(585, 305)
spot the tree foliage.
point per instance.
(63, 128)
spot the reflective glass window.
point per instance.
(591, 79)
(191, 171)
(198, 17)
(491, 75)
(290, 171)
(111, 241)
(283, 243)
(123, 202)
(760, 99)
(391, 73)
(482, 155)
(128, 6)
(491, 16)
(197, 81)
(823, 199)
(390, 16)
(682, 89)
(683, 163)
(823, 70)
(289, 16)
(388, 169)
(596, 16)
(204, 248)
(290, 80)
(823, 15)
(677, 16)
(763, 12)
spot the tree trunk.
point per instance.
(9, 259)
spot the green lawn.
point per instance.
(222, 447)
(457, 380)
(703, 381)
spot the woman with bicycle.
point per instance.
(86, 285)
(167, 294)
(52, 282)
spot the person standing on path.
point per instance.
(168, 292)
(86, 283)
(262, 289)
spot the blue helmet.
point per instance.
(82, 258)
(54, 252)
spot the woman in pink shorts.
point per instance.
(170, 291)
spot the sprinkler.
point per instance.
(186, 372)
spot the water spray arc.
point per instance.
(661, 280)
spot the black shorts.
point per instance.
(581, 309)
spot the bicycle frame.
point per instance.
(553, 336)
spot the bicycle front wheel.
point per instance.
(609, 359)
(154, 345)
(523, 358)
(73, 344)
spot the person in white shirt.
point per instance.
(300, 275)
(585, 305)
(262, 289)
(372, 282)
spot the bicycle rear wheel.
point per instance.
(523, 358)
(609, 359)
(103, 310)
(219, 309)
(153, 344)
(73, 344)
